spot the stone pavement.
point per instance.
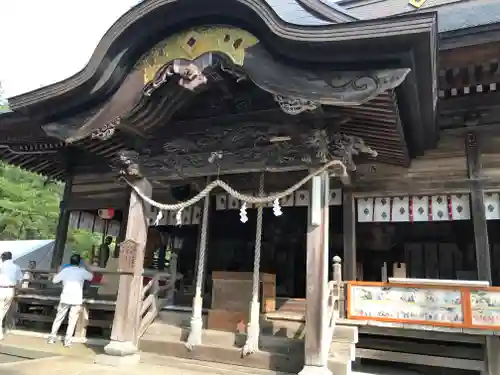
(78, 360)
(151, 366)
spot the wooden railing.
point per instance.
(36, 302)
(335, 290)
(155, 295)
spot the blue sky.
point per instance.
(42, 42)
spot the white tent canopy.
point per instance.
(25, 251)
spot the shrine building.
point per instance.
(306, 186)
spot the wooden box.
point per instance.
(231, 296)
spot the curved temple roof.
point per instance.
(302, 35)
(300, 21)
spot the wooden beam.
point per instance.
(465, 104)
(408, 186)
(62, 225)
(96, 203)
(349, 235)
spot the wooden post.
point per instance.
(173, 278)
(124, 335)
(349, 235)
(162, 257)
(123, 225)
(317, 345)
(477, 207)
(481, 240)
(62, 225)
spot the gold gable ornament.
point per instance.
(193, 43)
(416, 3)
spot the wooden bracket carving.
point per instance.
(129, 164)
(189, 76)
(106, 131)
(127, 258)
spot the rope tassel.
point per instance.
(158, 218)
(253, 331)
(178, 217)
(243, 213)
(277, 208)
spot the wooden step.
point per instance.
(285, 328)
(259, 361)
(164, 332)
(291, 362)
(295, 305)
(226, 355)
(342, 350)
(178, 318)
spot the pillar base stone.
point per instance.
(118, 354)
(315, 370)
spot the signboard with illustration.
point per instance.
(404, 303)
(485, 308)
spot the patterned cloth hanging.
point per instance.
(416, 208)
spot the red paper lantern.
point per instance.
(106, 213)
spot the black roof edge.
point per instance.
(469, 37)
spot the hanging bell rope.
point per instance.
(196, 323)
(253, 331)
(233, 192)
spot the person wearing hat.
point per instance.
(73, 279)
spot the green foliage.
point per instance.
(81, 242)
(29, 209)
(4, 103)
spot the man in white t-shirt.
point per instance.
(72, 278)
(10, 277)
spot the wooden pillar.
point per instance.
(316, 343)
(62, 225)
(124, 335)
(478, 211)
(481, 241)
(162, 257)
(123, 225)
(349, 235)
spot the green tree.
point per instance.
(81, 242)
(4, 103)
(29, 209)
